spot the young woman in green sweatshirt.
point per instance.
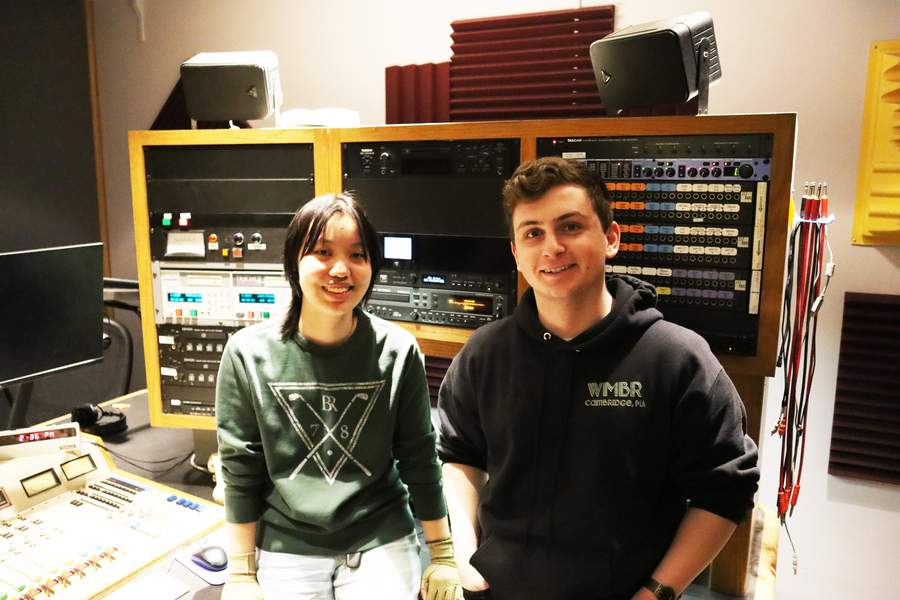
(325, 434)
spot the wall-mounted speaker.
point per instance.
(657, 64)
(231, 86)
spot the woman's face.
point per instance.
(335, 275)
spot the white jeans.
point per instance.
(388, 572)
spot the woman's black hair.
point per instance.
(303, 234)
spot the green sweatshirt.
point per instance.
(320, 444)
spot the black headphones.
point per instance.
(91, 420)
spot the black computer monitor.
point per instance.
(51, 316)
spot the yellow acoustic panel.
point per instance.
(876, 217)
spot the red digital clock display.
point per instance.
(14, 438)
(37, 436)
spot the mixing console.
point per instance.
(74, 529)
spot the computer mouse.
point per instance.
(211, 558)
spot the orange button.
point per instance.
(624, 228)
(622, 205)
(637, 206)
(637, 229)
(638, 187)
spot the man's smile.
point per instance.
(557, 269)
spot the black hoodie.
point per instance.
(593, 447)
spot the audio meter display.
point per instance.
(78, 466)
(40, 482)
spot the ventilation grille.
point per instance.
(435, 369)
(865, 436)
(527, 66)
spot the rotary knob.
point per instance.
(745, 171)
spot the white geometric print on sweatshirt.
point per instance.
(329, 418)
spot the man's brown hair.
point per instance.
(535, 178)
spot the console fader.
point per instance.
(692, 212)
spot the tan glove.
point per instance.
(241, 583)
(440, 581)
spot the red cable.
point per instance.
(809, 259)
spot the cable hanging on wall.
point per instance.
(804, 293)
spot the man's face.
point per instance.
(560, 246)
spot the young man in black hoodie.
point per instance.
(591, 449)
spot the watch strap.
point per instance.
(662, 592)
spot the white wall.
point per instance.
(803, 56)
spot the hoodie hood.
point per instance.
(633, 311)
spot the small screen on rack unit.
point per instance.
(182, 297)
(397, 248)
(256, 298)
(461, 303)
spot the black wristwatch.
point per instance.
(662, 592)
